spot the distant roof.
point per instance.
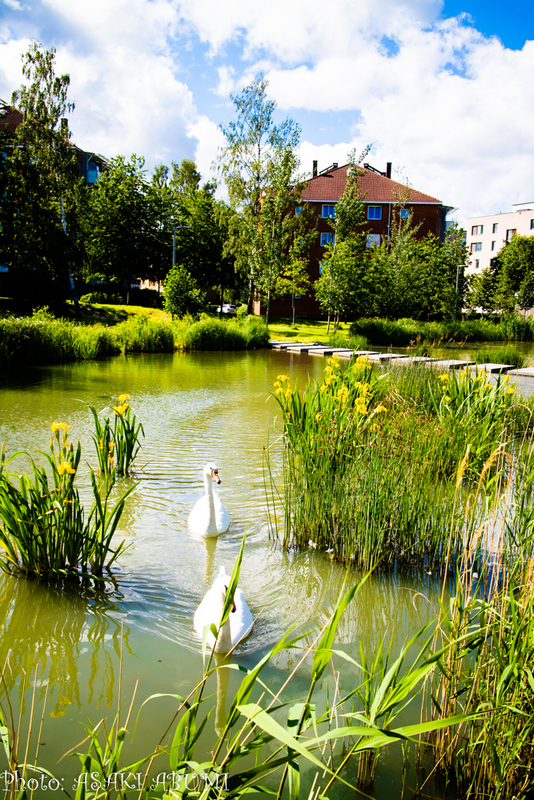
(375, 188)
(10, 119)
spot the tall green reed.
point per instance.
(264, 739)
(117, 445)
(46, 340)
(210, 333)
(403, 332)
(142, 334)
(371, 463)
(44, 529)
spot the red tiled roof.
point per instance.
(11, 120)
(375, 188)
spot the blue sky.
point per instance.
(443, 90)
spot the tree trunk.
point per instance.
(293, 309)
(250, 288)
(267, 310)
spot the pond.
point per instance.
(194, 408)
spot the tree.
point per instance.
(420, 278)
(254, 144)
(343, 286)
(294, 280)
(515, 283)
(281, 235)
(118, 227)
(39, 184)
(181, 293)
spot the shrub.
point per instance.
(100, 297)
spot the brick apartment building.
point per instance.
(380, 195)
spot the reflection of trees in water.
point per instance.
(46, 628)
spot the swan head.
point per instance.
(212, 471)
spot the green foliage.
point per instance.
(220, 334)
(501, 355)
(39, 169)
(419, 276)
(44, 529)
(403, 332)
(116, 223)
(373, 465)
(347, 280)
(515, 283)
(181, 293)
(27, 340)
(117, 446)
(258, 155)
(141, 334)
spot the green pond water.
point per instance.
(194, 408)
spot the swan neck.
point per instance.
(208, 486)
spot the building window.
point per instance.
(495, 227)
(373, 240)
(493, 245)
(477, 264)
(476, 247)
(404, 213)
(374, 212)
(532, 224)
(477, 230)
(326, 238)
(509, 233)
(298, 210)
(329, 212)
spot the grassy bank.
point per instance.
(42, 339)
(403, 332)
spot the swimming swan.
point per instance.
(239, 622)
(208, 516)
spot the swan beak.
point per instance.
(215, 475)
(233, 606)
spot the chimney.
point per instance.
(388, 169)
(314, 170)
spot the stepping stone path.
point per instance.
(320, 349)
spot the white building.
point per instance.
(486, 235)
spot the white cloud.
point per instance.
(210, 140)
(453, 108)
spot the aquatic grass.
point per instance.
(403, 332)
(501, 355)
(263, 740)
(341, 340)
(117, 445)
(27, 340)
(493, 754)
(44, 529)
(144, 334)
(211, 333)
(371, 460)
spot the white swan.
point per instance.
(239, 622)
(208, 516)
